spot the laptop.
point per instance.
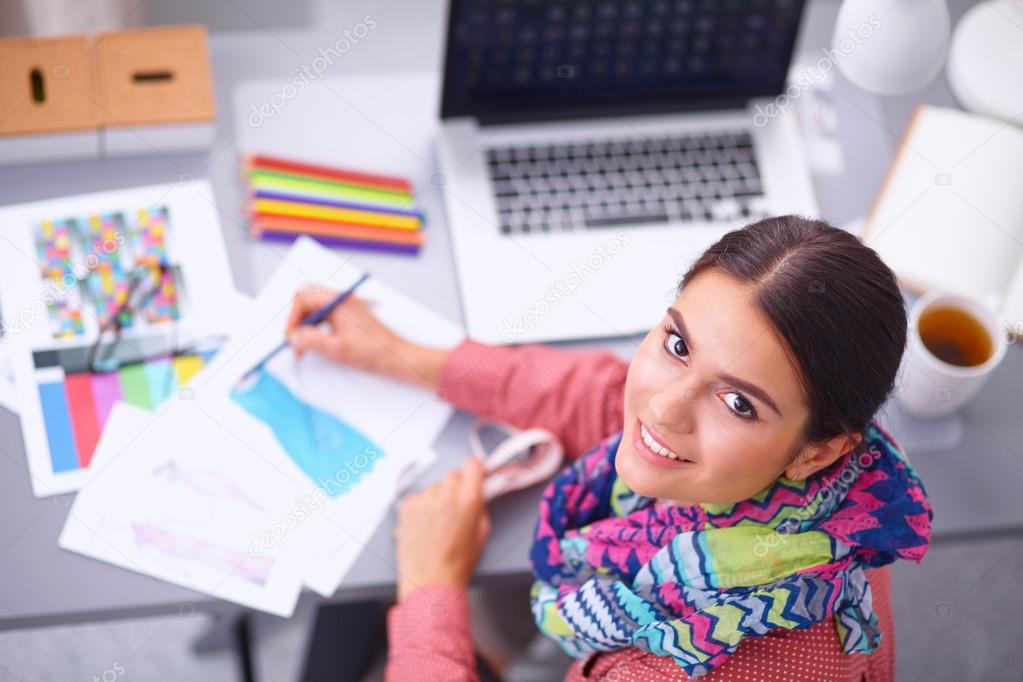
(591, 150)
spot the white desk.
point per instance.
(974, 486)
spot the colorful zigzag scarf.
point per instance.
(614, 570)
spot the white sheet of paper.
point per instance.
(175, 496)
(194, 244)
(815, 111)
(8, 389)
(399, 421)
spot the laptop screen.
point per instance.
(536, 59)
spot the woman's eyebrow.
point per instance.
(752, 389)
(676, 317)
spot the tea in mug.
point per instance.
(955, 336)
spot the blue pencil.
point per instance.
(317, 316)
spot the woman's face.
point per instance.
(714, 385)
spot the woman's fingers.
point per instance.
(295, 314)
(463, 485)
(442, 530)
(303, 304)
(473, 474)
(315, 339)
(452, 482)
(483, 528)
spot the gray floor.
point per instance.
(958, 616)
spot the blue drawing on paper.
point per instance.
(330, 452)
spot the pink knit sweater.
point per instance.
(579, 397)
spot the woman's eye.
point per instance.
(676, 345)
(740, 406)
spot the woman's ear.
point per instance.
(817, 456)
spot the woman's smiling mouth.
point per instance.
(652, 449)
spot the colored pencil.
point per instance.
(337, 207)
(294, 209)
(311, 320)
(296, 184)
(337, 174)
(315, 227)
(335, 203)
(346, 243)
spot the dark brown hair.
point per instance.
(833, 302)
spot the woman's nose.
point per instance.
(674, 406)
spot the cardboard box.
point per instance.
(156, 86)
(139, 91)
(49, 106)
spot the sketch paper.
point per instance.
(8, 391)
(347, 435)
(174, 496)
(68, 264)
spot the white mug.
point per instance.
(929, 387)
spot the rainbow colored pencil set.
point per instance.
(334, 206)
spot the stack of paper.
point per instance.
(150, 258)
(244, 490)
(247, 490)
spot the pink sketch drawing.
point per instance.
(253, 569)
(208, 482)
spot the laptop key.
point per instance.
(615, 220)
(505, 190)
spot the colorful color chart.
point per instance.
(107, 281)
(53, 248)
(103, 252)
(150, 244)
(76, 405)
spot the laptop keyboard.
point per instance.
(709, 177)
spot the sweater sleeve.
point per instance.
(429, 637)
(576, 395)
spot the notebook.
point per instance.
(950, 212)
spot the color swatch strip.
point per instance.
(76, 405)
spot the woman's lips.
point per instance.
(649, 455)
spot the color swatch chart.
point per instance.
(149, 244)
(76, 405)
(53, 248)
(91, 261)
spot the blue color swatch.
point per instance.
(59, 432)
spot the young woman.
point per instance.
(735, 516)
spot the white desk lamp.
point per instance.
(893, 49)
(985, 62)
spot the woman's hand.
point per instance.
(352, 335)
(442, 530)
